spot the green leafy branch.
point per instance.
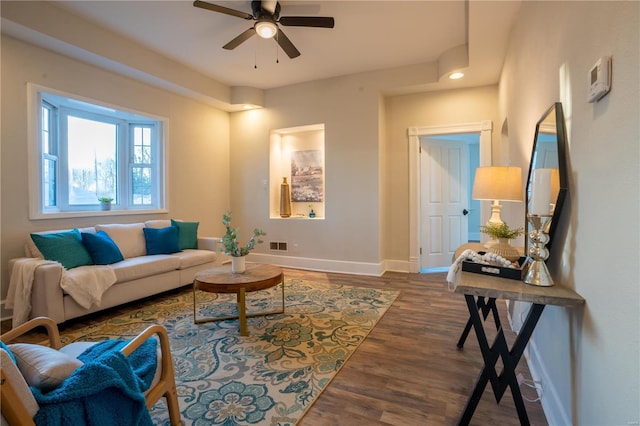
(501, 230)
(231, 239)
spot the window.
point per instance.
(87, 151)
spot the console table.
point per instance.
(476, 288)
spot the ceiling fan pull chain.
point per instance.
(277, 49)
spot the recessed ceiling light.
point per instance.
(456, 75)
(247, 106)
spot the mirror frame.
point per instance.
(561, 140)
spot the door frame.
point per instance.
(485, 129)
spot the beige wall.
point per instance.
(197, 143)
(348, 107)
(587, 359)
(443, 108)
(367, 163)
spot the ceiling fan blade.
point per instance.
(307, 21)
(221, 9)
(240, 39)
(286, 45)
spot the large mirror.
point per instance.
(548, 166)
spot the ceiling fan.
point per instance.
(266, 15)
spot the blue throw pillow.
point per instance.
(187, 234)
(64, 247)
(161, 240)
(103, 250)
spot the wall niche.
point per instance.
(297, 154)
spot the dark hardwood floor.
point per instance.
(408, 371)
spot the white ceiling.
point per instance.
(368, 35)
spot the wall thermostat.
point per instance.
(599, 79)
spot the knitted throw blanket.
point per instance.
(106, 391)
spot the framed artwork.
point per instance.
(307, 176)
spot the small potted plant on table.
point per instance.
(502, 233)
(232, 247)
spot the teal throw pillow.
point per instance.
(161, 240)
(6, 348)
(187, 234)
(64, 247)
(101, 247)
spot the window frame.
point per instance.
(37, 208)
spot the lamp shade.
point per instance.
(498, 183)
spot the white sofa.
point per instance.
(137, 276)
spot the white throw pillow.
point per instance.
(128, 237)
(43, 367)
(158, 223)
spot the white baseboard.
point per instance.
(397, 266)
(324, 265)
(555, 413)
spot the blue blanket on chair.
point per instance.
(106, 391)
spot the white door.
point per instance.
(443, 200)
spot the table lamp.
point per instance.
(497, 184)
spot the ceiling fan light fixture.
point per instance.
(266, 29)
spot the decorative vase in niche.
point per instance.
(505, 249)
(238, 264)
(285, 199)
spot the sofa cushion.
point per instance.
(157, 223)
(187, 234)
(101, 247)
(161, 240)
(43, 367)
(140, 267)
(65, 247)
(190, 258)
(128, 237)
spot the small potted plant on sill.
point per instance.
(502, 233)
(105, 202)
(232, 247)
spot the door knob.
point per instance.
(465, 212)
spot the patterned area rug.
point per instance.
(270, 377)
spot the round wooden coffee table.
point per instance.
(221, 280)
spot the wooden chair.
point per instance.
(17, 411)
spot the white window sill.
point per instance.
(95, 213)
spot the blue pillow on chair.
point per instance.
(161, 240)
(103, 250)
